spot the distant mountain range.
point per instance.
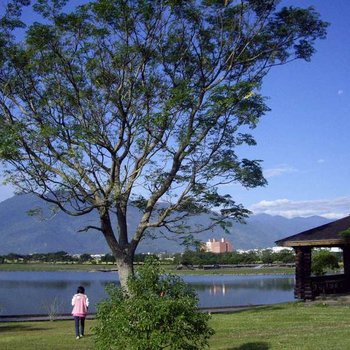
(24, 234)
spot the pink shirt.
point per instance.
(80, 304)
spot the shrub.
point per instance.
(157, 312)
(322, 261)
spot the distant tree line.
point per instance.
(62, 257)
(265, 256)
(54, 257)
(323, 261)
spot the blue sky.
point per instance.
(304, 140)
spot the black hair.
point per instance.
(81, 290)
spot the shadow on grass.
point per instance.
(256, 309)
(21, 327)
(252, 346)
(274, 307)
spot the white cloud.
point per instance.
(320, 161)
(328, 208)
(279, 170)
(340, 92)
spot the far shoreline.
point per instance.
(173, 269)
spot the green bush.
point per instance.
(157, 312)
(322, 261)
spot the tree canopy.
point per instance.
(146, 102)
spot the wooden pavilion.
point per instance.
(333, 234)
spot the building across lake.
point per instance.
(218, 246)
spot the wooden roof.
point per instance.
(328, 235)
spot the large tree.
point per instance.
(140, 101)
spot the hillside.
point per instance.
(24, 234)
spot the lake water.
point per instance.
(24, 293)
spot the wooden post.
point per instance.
(303, 288)
(346, 262)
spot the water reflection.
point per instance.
(259, 284)
(36, 284)
(217, 291)
(35, 292)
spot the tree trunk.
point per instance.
(122, 251)
(125, 270)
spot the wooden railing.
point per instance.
(329, 284)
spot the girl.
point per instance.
(80, 304)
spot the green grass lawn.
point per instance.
(54, 267)
(237, 271)
(289, 326)
(167, 268)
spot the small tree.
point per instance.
(285, 256)
(85, 258)
(107, 258)
(158, 312)
(322, 261)
(267, 256)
